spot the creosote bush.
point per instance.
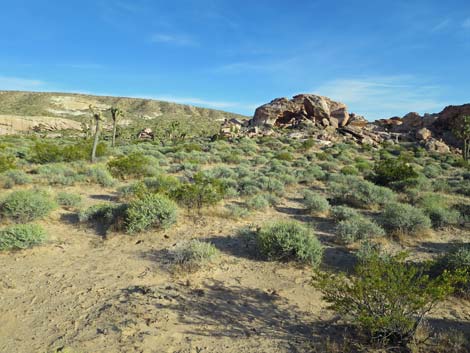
(7, 163)
(358, 228)
(150, 211)
(401, 219)
(289, 240)
(357, 192)
(135, 165)
(193, 254)
(393, 170)
(68, 199)
(21, 236)
(315, 203)
(51, 152)
(386, 298)
(27, 205)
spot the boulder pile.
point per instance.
(321, 118)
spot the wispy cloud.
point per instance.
(383, 96)
(441, 25)
(174, 39)
(20, 84)
(252, 66)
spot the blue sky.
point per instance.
(382, 58)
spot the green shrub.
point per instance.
(108, 216)
(68, 200)
(202, 192)
(357, 192)
(150, 211)
(21, 236)
(458, 259)
(236, 211)
(341, 213)
(349, 170)
(134, 165)
(99, 175)
(50, 152)
(393, 170)
(7, 163)
(14, 177)
(399, 218)
(315, 203)
(257, 202)
(194, 254)
(358, 228)
(284, 156)
(27, 205)
(289, 240)
(385, 298)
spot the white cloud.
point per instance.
(19, 83)
(385, 96)
(175, 39)
(441, 25)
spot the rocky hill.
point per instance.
(308, 115)
(19, 111)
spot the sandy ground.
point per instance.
(120, 294)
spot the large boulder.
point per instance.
(423, 134)
(291, 112)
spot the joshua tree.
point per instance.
(462, 131)
(98, 119)
(116, 113)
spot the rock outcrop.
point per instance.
(283, 112)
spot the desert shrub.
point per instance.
(289, 240)
(341, 213)
(420, 183)
(27, 205)
(284, 156)
(349, 170)
(307, 144)
(134, 165)
(257, 202)
(21, 236)
(385, 298)
(357, 192)
(432, 171)
(391, 170)
(162, 184)
(201, 192)
(400, 218)
(50, 152)
(193, 254)
(315, 203)
(457, 259)
(108, 216)
(100, 175)
(59, 173)
(150, 211)
(311, 173)
(236, 211)
(7, 163)
(438, 209)
(68, 200)
(358, 228)
(14, 177)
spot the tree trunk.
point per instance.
(96, 140)
(114, 133)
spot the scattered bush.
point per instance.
(150, 211)
(341, 213)
(289, 240)
(349, 170)
(391, 170)
(386, 298)
(21, 236)
(399, 218)
(68, 200)
(107, 216)
(14, 177)
(134, 165)
(315, 203)
(99, 175)
(284, 156)
(202, 192)
(358, 228)
(236, 211)
(357, 192)
(27, 205)
(257, 202)
(194, 254)
(50, 152)
(7, 163)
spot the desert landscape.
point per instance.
(239, 239)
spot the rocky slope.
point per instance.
(43, 107)
(308, 115)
